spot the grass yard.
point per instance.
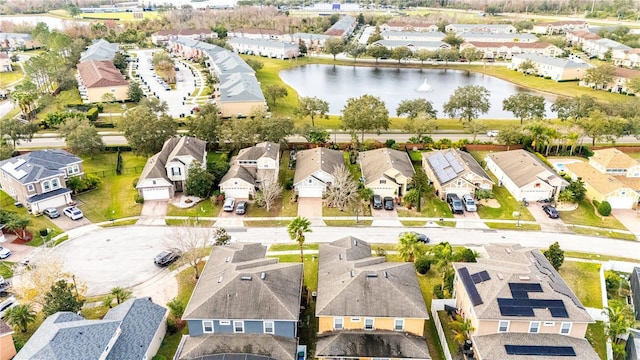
(587, 215)
(432, 207)
(205, 208)
(6, 269)
(427, 282)
(588, 256)
(604, 233)
(293, 247)
(597, 338)
(348, 223)
(115, 196)
(120, 16)
(584, 279)
(7, 78)
(512, 226)
(266, 223)
(413, 223)
(37, 222)
(59, 102)
(364, 210)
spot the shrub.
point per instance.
(92, 114)
(135, 182)
(43, 232)
(172, 328)
(604, 208)
(437, 291)
(423, 265)
(389, 143)
(139, 199)
(466, 255)
(288, 184)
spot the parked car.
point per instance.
(421, 237)
(376, 202)
(52, 213)
(5, 288)
(455, 203)
(241, 209)
(4, 252)
(7, 304)
(550, 211)
(229, 204)
(167, 257)
(493, 133)
(388, 203)
(73, 213)
(469, 203)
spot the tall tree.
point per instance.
(296, 230)
(633, 85)
(120, 294)
(400, 53)
(273, 129)
(378, 51)
(443, 255)
(462, 329)
(25, 95)
(192, 242)
(420, 183)
(365, 113)
(555, 255)
(343, 191)
(62, 296)
(270, 191)
(599, 76)
(420, 113)
(527, 67)
(312, 107)
(82, 137)
(206, 123)
(355, 50)
(274, 92)
(510, 136)
(453, 39)
(424, 55)
(314, 135)
(145, 131)
(598, 126)
(199, 181)
(574, 108)
(334, 46)
(525, 106)
(17, 130)
(468, 102)
(21, 316)
(135, 92)
(621, 318)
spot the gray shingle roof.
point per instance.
(36, 165)
(524, 37)
(318, 159)
(270, 43)
(100, 50)
(39, 197)
(236, 289)
(346, 286)
(371, 344)
(416, 43)
(492, 346)
(174, 146)
(238, 347)
(240, 87)
(342, 27)
(375, 163)
(457, 159)
(553, 61)
(523, 167)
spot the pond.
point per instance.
(335, 84)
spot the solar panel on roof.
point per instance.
(470, 286)
(484, 275)
(539, 350)
(441, 167)
(525, 307)
(529, 287)
(453, 162)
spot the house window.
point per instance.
(55, 183)
(74, 169)
(398, 324)
(207, 326)
(238, 326)
(176, 171)
(368, 323)
(383, 181)
(30, 188)
(46, 186)
(268, 327)
(534, 327)
(337, 323)
(565, 328)
(503, 326)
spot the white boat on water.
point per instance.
(425, 87)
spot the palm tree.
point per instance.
(21, 316)
(408, 246)
(442, 255)
(462, 329)
(296, 229)
(120, 294)
(620, 319)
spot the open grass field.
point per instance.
(7, 78)
(60, 101)
(121, 16)
(584, 279)
(586, 214)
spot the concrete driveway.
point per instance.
(385, 218)
(629, 218)
(153, 213)
(469, 220)
(310, 207)
(66, 224)
(547, 223)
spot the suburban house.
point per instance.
(98, 79)
(37, 179)
(17, 41)
(506, 50)
(498, 37)
(314, 171)
(256, 34)
(408, 26)
(579, 37)
(413, 35)
(7, 348)
(386, 171)
(265, 47)
(413, 45)
(359, 309)
(632, 347)
(629, 58)
(243, 304)
(634, 282)
(524, 175)
(455, 171)
(557, 69)
(603, 187)
(619, 81)
(481, 28)
(614, 162)
(599, 47)
(238, 92)
(131, 330)
(313, 42)
(100, 50)
(343, 27)
(166, 172)
(519, 306)
(162, 37)
(5, 63)
(559, 27)
(249, 169)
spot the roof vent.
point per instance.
(340, 256)
(386, 274)
(500, 276)
(355, 242)
(228, 259)
(263, 275)
(220, 278)
(372, 275)
(246, 278)
(353, 273)
(524, 278)
(508, 250)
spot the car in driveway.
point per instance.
(229, 204)
(4, 252)
(550, 211)
(469, 203)
(241, 209)
(52, 213)
(7, 304)
(455, 203)
(388, 203)
(376, 202)
(420, 236)
(167, 257)
(73, 213)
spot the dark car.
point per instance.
(241, 208)
(376, 202)
(421, 237)
(388, 203)
(52, 213)
(551, 211)
(455, 203)
(167, 257)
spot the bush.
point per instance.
(92, 114)
(43, 232)
(437, 291)
(604, 208)
(288, 184)
(466, 255)
(172, 328)
(80, 184)
(139, 199)
(423, 265)
(135, 182)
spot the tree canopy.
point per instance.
(312, 107)
(365, 113)
(62, 297)
(468, 103)
(146, 131)
(525, 106)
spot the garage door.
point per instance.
(155, 193)
(238, 193)
(310, 192)
(53, 202)
(621, 202)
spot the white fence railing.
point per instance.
(438, 305)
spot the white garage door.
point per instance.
(53, 202)
(238, 193)
(310, 191)
(621, 202)
(155, 193)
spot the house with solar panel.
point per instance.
(368, 308)
(519, 306)
(244, 306)
(453, 171)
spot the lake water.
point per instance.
(335, 84)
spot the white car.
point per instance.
(492, 133)
(6, 305)
(4, 252)
(73, 213)
(229, 204)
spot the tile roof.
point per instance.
(385, 162)
(235, 273)
(371, 344)
(40, 164)
(341, 27)
(238, 347)
(523, 167)
(513, 264)
(553, 61)
(310, 161)
(100, 73)
(493, 346)
(353, 283)
(602, 183)
(613, 158)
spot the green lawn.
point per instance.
(293, 247)
(432, 207)
(513, 226)
(59, 102)
(37, 222)
(7, 78)
(427, 282)
(348, 222)
(205, 208)
(597, 338)
(604, 233)
(584, 279)
(364, 210)
(6, 269)
(115, 196)
(586, 214)
(589, 256)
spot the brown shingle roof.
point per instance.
(262, 346)
(318, 159)
(613, 158)
(626, 73)
(602, 183)
(103, 73)
(371, 344)
(492, 346)
(258, 31)
(376, 163)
